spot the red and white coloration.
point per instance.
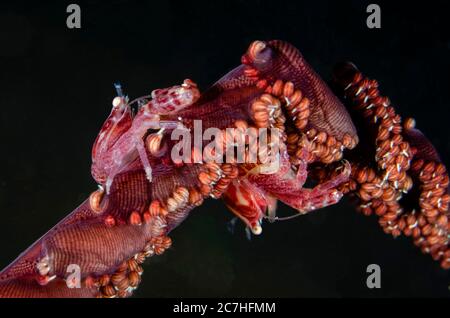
(252, 197)
(121, 138)
(128, 218)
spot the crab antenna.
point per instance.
(140, 100)
(118, 89)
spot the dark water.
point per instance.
(56, 90)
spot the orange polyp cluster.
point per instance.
(404, 185)
(320, 146)
(265, 110)
(126, 278)
(432, 229)
(295, 103)
(380, 188)
(394, 171)
(297, 108)
(393, 154)
(221, 180)
(379, 185)
(215, 178)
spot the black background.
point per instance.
(56, 90)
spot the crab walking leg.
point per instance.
(252, 200)
(308, 200)
(303, 199)
(287, 186)
(117, 123)
(165, 101)
(140, 146)
(332, 183)
(249, 203)
(254, 196)
(123, 151)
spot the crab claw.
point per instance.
(248, 203)
(118, 122)
(174, 99)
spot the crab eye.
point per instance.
(117, 101)
(256, 229)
